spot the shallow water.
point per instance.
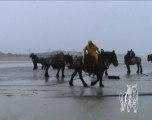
(21, 73)
(26, 94)
(10, 64)
(29, 108)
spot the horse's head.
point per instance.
(111, 57)
(33, 56)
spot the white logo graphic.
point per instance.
(129, 99)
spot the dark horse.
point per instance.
(149, 57)
(58, 61)
(107, 60)
(88, 65)
(36, 60)
(136, 60)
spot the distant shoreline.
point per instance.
(14, 57)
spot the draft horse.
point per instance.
(58, 61)
(132, 61)
(108, 62)
(36, 60)
(88, 64)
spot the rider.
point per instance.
(92, 50)
(132, 54)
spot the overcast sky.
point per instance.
(61, 25)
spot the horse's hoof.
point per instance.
(46, 79)
(85, 85)
(63, 76)
(128, 73)
(47, 76)
(71, 84)
(57, 76)
(101, 85)
(93, 83)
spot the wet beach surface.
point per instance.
(27, 95)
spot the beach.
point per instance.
(27, 95)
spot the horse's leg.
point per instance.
(141, 70)
(35, 66)
(137, 68)
(42, 67)
(128, 69)
(57, 74)
(94, 82)
(106, 73)
(72, 76)
(46, 71)
(81, 78)
(63, 72)
(100, 78)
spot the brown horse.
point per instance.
(88, 64)
(132, 61)
(149, 57)
(58, 61)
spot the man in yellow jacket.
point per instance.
(92, 50)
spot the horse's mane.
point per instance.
(107, 55)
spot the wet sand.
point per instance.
(27, 95)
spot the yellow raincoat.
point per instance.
(92, 50)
